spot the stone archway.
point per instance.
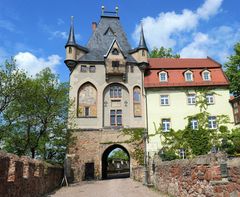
(105, 162)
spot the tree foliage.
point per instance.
(11, 82)
(233, 70)
(118, 154)
(196, 141)
(35, 122)
(163, 53)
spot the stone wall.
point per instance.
(25, 177)
(90, 146)
(201, 176)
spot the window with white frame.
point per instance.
(210, 99)
(164, 99)
(182, 153)
(212, 122)
(191, 99)
(163, 76)
(166, 125)
(188, 76)
(194, 124)
(206, 75)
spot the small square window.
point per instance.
(182, 153)
(212, 123)
(194, 124)
(92, 69)
(83, 68)
(164, 100)
(210, 99)
(166, 125)
(191, 99)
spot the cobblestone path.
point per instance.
(107, 188)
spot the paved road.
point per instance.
(107, 188)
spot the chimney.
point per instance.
(94, 26)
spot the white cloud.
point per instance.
(59, 34)
(209, 8)
(217, 43)
(198, 47)
(162, 30)
(32, 64)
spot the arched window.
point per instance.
(206, 75)
(136, 95)
(70, 50)
(137, 101)
(87, 101)
(163, 76)
(188, 75)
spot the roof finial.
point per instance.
(142, 42)
(103, 9)
(116, 8)
(71, 37)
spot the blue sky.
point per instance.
(35, 32)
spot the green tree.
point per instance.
(196, 141)
(37, 120)
(233, 70)
(118, 154)
(11, 83)
(163, 53)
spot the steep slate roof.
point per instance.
(101, 40)
(142, 42)
(175, 68)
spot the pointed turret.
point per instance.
(142, 42)
(73, 50)
(141, 52)
(71, 38)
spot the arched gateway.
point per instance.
(106, 94)
(115, 168)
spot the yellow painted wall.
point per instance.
(178, 109)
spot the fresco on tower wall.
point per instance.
(87, 99)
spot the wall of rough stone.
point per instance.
(89, 147)
(25, 177)
(201, 176)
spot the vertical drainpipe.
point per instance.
(145, 134)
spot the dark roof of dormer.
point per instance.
(108, 29)
(71, 37)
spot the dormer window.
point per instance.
(206, 75)
(163, 76)
(115, 51)
(188, 75)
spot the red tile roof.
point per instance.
(176, 68)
